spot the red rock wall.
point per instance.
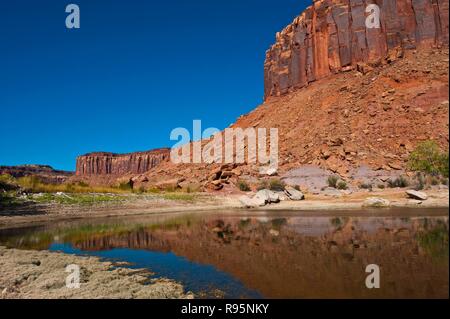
(331, 36)
(120, 164)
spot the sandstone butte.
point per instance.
(103, 163)
(340, 94)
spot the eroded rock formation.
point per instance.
(120, 164)
(331, 36)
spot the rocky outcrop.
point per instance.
(417, 195)
(331, 36)
(44, 173)
(120, 164)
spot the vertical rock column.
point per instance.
(331, 36)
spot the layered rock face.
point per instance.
(331, 36)
(120, 164)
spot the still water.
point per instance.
(267, 255)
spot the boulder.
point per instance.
(168, 184)
(215, 175)
(268, 196)
(332, 192)
(226, 174)
(417, 195)
(272, 172)
(294, 194)
(252, 202)
(376, 202)
(214, 186)
(283, 197)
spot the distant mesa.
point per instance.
(104, 163)
(45, 173)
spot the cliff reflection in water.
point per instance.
(287, 257)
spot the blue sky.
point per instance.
(134, 71)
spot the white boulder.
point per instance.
(294, 194)
(417, 195)
(268, 196)
(251, 202)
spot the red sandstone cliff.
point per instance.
(120, 164)
(393, 95)
(331, 36)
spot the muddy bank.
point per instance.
(12, 217)
(41, 275)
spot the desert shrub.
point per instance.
(140, 190)
(7, 182)
(366, 186)
(276, 185)
(297, 187)
(170, 188)
(332, 181)
(192, 188)
(154, 190)
(399, 182)
(435, 241)
(83, 184)
(70, 188)
(32, 184)
(420, 182)
(342, 185)
(263, 185)
(29, 182)
(243, 186)
(381, 186)
(428, 158)
(434, 181)
(125, 186)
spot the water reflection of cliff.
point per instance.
(285, 258)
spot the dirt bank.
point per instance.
(41, 275)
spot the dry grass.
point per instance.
(34, 185)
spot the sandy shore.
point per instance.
(14, 217)
(41, 275)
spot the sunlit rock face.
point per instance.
(120, 164)
(331, 36)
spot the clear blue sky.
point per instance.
(134, 71)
